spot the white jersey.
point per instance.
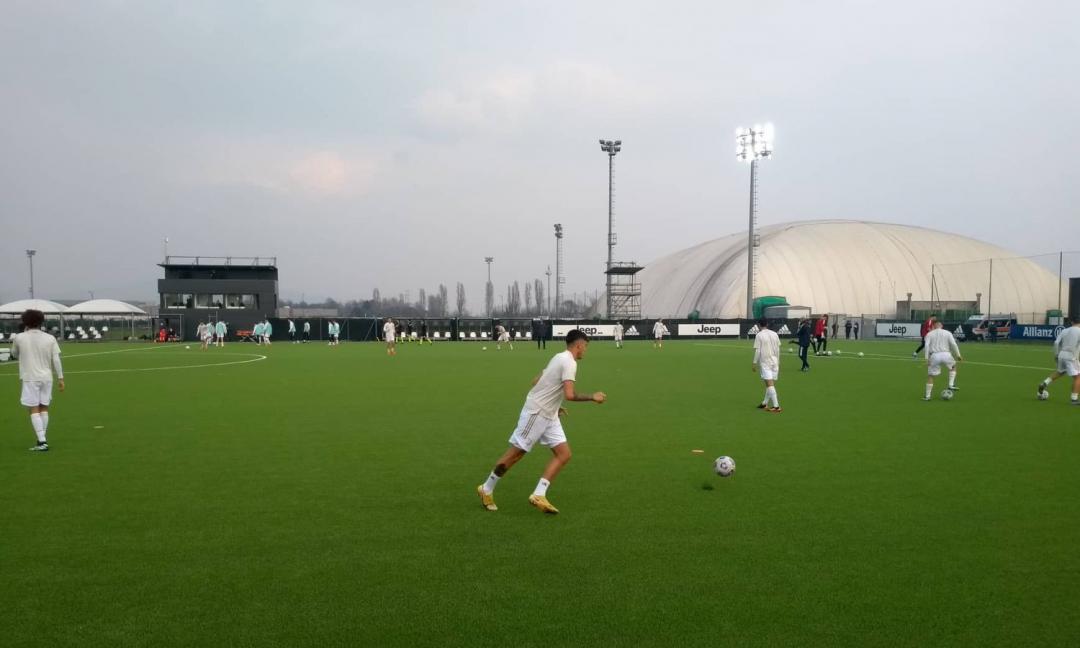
(546, 396)
(941, 341)
(1067, 345)
(388, 331)
(292, 327)
(618, 331)
(38, 354)
(767, 349)
(307, 327)
(658, 330)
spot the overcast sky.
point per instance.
(395, 144)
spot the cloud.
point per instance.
(286, 169)
(507, 100)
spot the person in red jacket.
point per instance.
(923, 330)
(821, 337)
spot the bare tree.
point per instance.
(540, 308)
(528, 297)
(421, 300)
(460, 299)
(376, 297)
(443, 300)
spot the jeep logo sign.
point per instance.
(897, 329)
(708, 330)
(592, 330)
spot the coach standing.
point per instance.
(803, 336)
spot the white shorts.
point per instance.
(659, 337)
(769, 373)
(505, 337)
(618, 338)
(1068, 365)
(938, 359)
(534, 427)
(36, 393)
(390, 339)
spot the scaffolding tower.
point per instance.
(625, 290)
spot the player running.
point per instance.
(658, 334)
(539, 421)
(618, 335)
(205, 334)
(268, 330)
(767, 364)
(39, 356)
(292, 332)
(1067, 353)
(926, 327)
(257, 332)
(941, 349)
(502, 337)
(390, 335)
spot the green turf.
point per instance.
(325, 496)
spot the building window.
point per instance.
(217, 301)
(179, 300)
(202, 301)
(241, 302)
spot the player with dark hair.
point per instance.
(539, 421)
(767, 364)
(39, 356)
(925, 329)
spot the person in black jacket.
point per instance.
(802, 338)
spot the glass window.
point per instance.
(178, 300)
(246, 302)
(217, 301)
(202, 301)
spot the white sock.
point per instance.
(1046, 381)
(770, 394)
(39, 429)
(45, 421)
(952, 379)
(765, 401)
(541, 487)
(1075, 396)
(489, 485)
(929, 388)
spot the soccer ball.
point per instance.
(828, 353)
(187, 347)
(724, 466)
(483, 349)
(1043, 395)
(947, 394)
(860, 354)
(837, 352)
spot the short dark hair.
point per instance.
(575, 335)
(763, 323)
(32, 318)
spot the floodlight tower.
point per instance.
(30, 257)
(488, 288)
(611, 148)
(751, 145)
(558, 266)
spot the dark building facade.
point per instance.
(238, 290)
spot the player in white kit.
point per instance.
(941, 351)
(39, 356)
(767, 364)
(658, 334)
(1067, 354)
(539, 422)
(502, 337)
(390, 335)
(618, 335)
(204, 333)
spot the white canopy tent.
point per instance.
(95, 319)
(10, 312)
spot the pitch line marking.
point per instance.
(879, 356)
(251, 358)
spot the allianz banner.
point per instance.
(898, 329)
(702, 329)
(1035, 332)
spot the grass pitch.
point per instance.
(325, 496)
